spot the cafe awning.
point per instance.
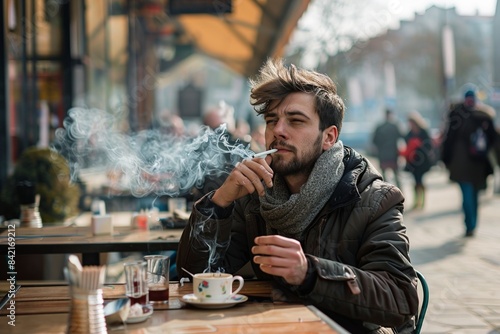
(246, 36)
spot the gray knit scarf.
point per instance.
(289, 214)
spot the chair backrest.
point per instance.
(419, 320)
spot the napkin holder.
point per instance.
(101, 225)
(87, 312)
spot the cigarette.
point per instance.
(263, 154)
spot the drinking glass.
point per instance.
(158, 269)
(136, 284)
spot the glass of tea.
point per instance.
(136, 284)
(158, 269)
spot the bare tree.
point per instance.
(330, 26)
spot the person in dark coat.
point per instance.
(386, 138)
(468, 170)
(315, 217)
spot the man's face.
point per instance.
(292, 127)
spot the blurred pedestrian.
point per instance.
(418, 154)
(385, 139)
(469, 136)
(220, 119)
(222, 113)
(171, 124)
(242, 131)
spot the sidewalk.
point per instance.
(463, 273)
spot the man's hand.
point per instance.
(245, 178)
(280, 256)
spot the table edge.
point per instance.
(327, 320)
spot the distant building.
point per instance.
(215, 81)
(404, 68)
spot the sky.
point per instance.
(365, 19)
(463, 7)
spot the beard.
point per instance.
(298, 165)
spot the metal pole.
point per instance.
(34, 123)
(67, 61)
(495, 99)
(5, 143)
(448, 61)
(496, 46)
(130, 102)
(23, 115)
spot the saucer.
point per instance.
(147, 311)
(192, 300)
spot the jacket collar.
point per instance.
(354, 180)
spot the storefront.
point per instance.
(99, 54)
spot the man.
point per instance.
(467, 165)
(385, 138)
(315, 217)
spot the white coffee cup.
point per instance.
(215, 287)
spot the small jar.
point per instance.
(30, 216)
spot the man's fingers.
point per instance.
(273, 261)
(272, 253)
(264, 162)
(263, 171)
(277, 240)
(254, 173)
(280, 256)
(273, 270)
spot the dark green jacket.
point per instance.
(358, 237)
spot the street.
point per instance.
(463, 273)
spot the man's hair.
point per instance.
(275, 82)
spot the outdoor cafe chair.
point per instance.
(419, 318)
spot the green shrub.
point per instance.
(50, 173)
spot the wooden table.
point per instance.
(79, 239)
(44, 309)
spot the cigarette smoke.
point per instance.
(149, 161)
(212, 246)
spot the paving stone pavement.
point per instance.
(463, 273)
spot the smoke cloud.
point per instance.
(149, 161)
